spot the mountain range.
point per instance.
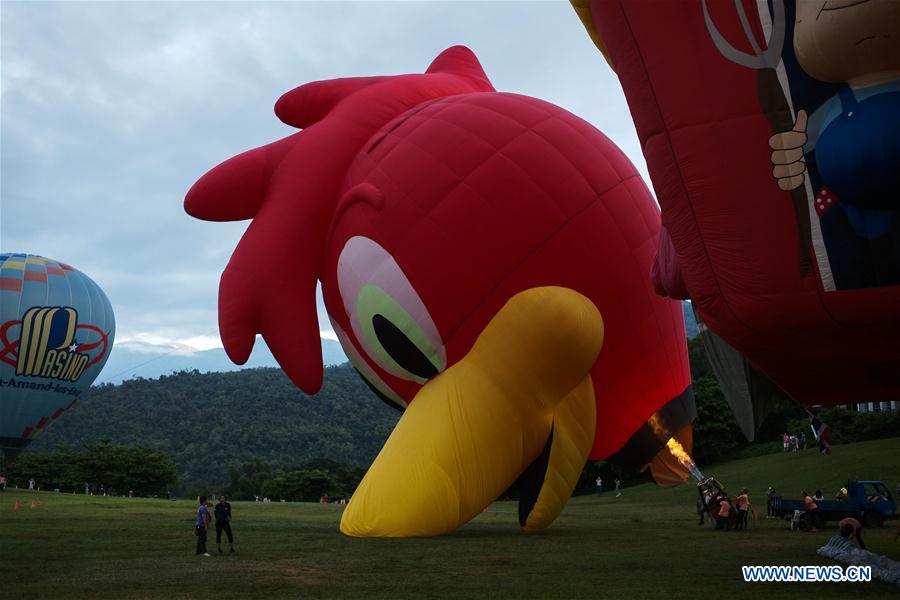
(130, 360)
(133, 359)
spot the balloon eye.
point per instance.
(388, 318)
(400, 345)
(402, 349)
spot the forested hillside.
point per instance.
(209, 421)
(257, 422)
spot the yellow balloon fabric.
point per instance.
(574, 424)
(583, 10)
(471, 431)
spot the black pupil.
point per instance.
(402, 349)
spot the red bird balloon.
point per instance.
(484, 260)
(772, 135)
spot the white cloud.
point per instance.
(151, 343)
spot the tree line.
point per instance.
(101, 465)
(307, 481)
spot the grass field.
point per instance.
(645, 544)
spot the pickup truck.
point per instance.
(870, 502)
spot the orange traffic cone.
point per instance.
(17, 506)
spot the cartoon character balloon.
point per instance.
(772, 135)
(484, 260)
(56, 330)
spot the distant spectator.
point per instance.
(770, 501)
(618, 487)
(818, 497)
(202, 526)
(31, 485)
(803, 440)
(787, 441)
(599, 486)
(851, 526)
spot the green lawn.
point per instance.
(645, 544)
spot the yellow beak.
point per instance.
(522, 396)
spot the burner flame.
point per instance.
(683, 457)
(675, 447)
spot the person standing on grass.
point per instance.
(599, 486)
(223, 523)
(812, 509)
(770, 502)
(618, 487)
(724, 512)
(202, 526)
(743, 506)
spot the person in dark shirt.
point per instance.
(223, 523)
(770, 502)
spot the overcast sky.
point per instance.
(110, 111)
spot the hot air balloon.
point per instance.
(484, 260)
(56, 331)
(772, 135)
